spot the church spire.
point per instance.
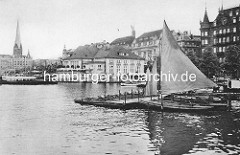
(18, 39)
(17, 48)
(28, 55)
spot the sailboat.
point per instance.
(175, 65)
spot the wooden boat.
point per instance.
(174, 61)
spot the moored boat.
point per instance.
(24, 80)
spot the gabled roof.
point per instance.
(117, 52)
(123, 40)
(84, 52)
(146, 36)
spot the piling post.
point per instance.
(151, 97)
(138, 96)
(229, 101)
(119, 95)
(125, 98)
(131, 93)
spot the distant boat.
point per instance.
(23, 80)
(133, 84)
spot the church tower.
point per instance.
(17, 48)
(205, 30)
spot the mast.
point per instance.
(160, 57)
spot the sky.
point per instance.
(47, 25)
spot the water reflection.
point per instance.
(45, 120)
(176, 133)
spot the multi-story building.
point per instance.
(189, 42)
(221, 32)
(109, 60)
(148, 44)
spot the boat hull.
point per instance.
(35, 82)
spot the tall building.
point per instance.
(222, 32)
(17, 61)
(17, 48)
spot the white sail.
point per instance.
(177, 71)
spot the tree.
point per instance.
(194, 58)
(232, 63)
(209, 63)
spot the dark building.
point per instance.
(222, 32)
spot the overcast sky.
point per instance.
(46, 25)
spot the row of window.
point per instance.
(219, 49)
(146, 43)
(224, 31)
(225, 39)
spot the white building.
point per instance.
(109, 60)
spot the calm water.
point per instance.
(44, 120)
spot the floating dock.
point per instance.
(150, 103)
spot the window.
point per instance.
(206, 33)
(215, 41)
(237, 12)
(214, 50)
(214, 32)
(230, 13)
(234, 19)
(214, 23)
(224, 31)
(234, 29)
(220, 49)
(224, 49)
(220, 40)
(228, 30)
(228, 39)
(224, 39)
(118, 68)
(234, 38)
(206, 41)
(220, 31)
(99, 66)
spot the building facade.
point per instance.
(17, 61)
(110, 60)
(189, 42)
(222, 32)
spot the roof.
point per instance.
(84, 52)
(117, 52)
(147, 35)
(123, 40)
(205, 18)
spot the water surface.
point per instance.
(44, 120)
